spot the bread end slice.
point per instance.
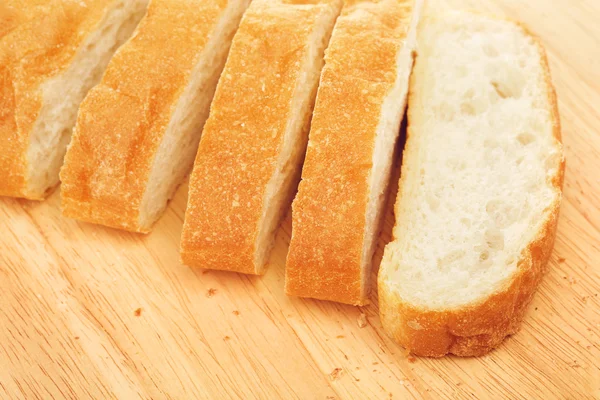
(466, 259)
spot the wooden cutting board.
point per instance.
(91, 312)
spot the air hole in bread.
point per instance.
(507, 81)
(472, 104)
(450, 258)
(467, 108)
(433, 201)
(513, 88)
(490, 50)
(484, 256)
(519, 160)
(469, 94)
(444, 111)
(494, 238)
(501, 91)
(525, 138)
(502, 213)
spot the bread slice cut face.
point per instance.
(337, 213)
(137, 131)
(480, 188)
(51, 54)
(249, 160)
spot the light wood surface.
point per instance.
(90, 312)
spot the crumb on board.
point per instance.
(561, 259)
(335, 374)
(137, 312)
(226, 338)
(458, 383)
(586, 298)
(411, 359)
(362, 320)
(76, 337)
(236, 312)
(211, 292)
(340, 337)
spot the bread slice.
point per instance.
(51, 53)
(480, 188)
(356, 122)
(137, 131)
(251, 152)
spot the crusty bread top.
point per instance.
(329, 212)
(240, 144)
(38, 41)
(122, 120)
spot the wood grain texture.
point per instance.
(70, 293)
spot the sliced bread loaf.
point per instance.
(356, 122)
(137, 131)
(51, 53)
(253, 144)
(480, 188)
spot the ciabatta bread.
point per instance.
(137, 131)
(252, 147)
(51, 53)
(480, 188)
(360, 104)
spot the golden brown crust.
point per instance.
(242, 138)
(478, 328)
(122, 121)
(329, 212)
(38, 41)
